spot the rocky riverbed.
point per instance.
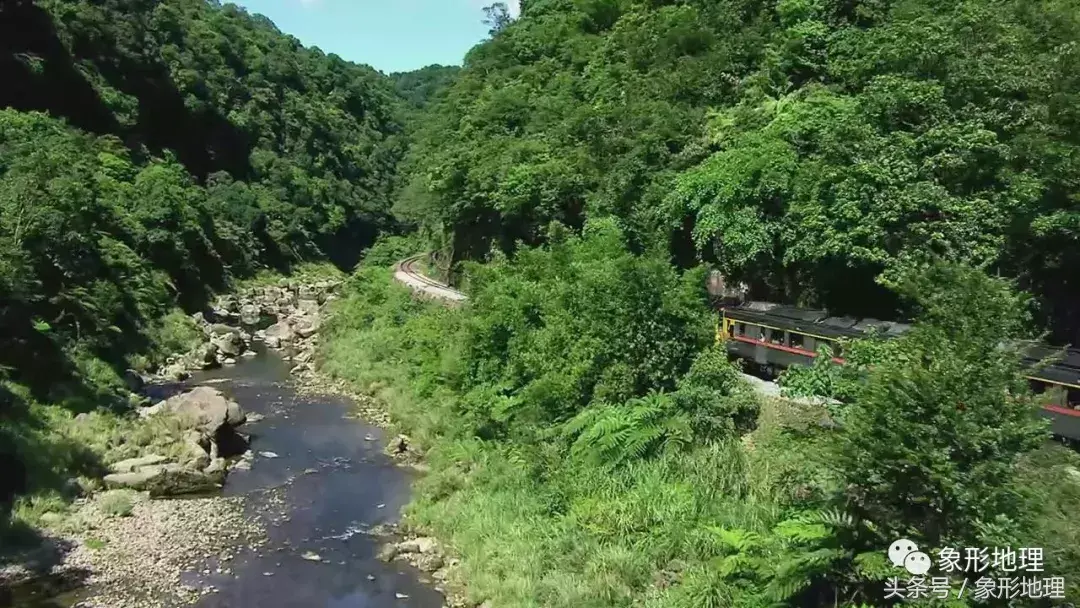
(297, 497)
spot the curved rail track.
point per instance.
(407, 272)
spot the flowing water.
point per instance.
(323, 482)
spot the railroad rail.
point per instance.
(408, 273)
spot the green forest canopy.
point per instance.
(817, 149)
(823, 151)
(150, 151)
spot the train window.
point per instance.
(776, 336)
(795, 340)
(740, 329)
(760, 333)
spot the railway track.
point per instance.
(407, 271)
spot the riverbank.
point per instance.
(114, 548)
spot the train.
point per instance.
(773, 337)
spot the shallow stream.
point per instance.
(318, 481)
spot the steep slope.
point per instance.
(150, 151)
(819, 149)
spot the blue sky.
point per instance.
(390, 35)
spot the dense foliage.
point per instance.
(817, 149)
(152, 150)
(150, 153)
(571, 473)
(589, 444)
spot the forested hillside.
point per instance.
(586, 441)
(817, 149)
(150, 151)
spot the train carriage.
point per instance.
(773, 337)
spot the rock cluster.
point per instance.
(209, 421)
(424, 553)
(283, 316)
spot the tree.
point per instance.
(932, 439)
(497, 17)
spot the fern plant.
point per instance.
(801, 561)
(641, 427)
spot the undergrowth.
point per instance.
(575, 509)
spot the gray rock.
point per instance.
(229, 345)
(429, 562)
(221, 329)
(205, 408)
(203, 356)
(387, 553)
(136, 480)
(250, 314)
(176, 372)
(234, 414)
(217, 466)
(423, 544)
(178, 481)
(278, 334)
(306, 327)
(308, 307)
(132, 464)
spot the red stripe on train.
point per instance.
(1057, 409)
(781, 347)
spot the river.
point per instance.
(317, 481)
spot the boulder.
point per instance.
(177, 481)
(205, 408)
(429, 562)
(132, 464)
(250, 314)
(176, 372)
(399, 445)
(424, 544)
(221, 329)
(308, 307)
(203, 356)
(135, 480)
(278, 334)
(217, 466)
(133, 380)
(234, 414)
(230, 345)
(306, 327)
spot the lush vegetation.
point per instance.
(818, 149)
(589, 447)
(150, 154)
(589, 444)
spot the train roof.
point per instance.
(1063, 365)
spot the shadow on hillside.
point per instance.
(41, 74)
